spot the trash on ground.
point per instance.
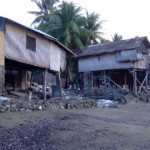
(107, 103)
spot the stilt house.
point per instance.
(123, 64)
(23, 49)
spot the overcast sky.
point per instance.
(128, 18)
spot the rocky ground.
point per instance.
(71, 99)
(123, 128)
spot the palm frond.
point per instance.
(37, 13)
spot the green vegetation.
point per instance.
(117, 37)
(66, 22)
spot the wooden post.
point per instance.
(135, 82)
(104, 77)
(59, 83)
(141, 86)
(66, 75)
(92, 76)
(114, 82)
(132, 72)
(45, 83)
(31, 76)
(23, 80)
(125, 80)
(146, 82)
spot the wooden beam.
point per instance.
(132, 72)
(125, 79)
(104, 77)
(114, 82)
(135, 82)
(59, 83)
(141, 86)
(45, 83)
(147, 72)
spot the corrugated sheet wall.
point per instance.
(2, 78)
(47, 54)
(2, 48)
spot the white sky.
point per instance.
(128, 18)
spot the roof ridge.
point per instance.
(126, 44)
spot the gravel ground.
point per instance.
(124, 128)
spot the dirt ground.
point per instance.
(123, 128)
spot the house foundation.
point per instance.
(124, 79)
(123, 63)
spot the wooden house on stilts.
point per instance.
(123, 64)
(23, 49)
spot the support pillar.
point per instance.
(125, 80)
(45, 83)
(146, 82)
(88, 80)
(23, 80)
(59, 84)
(135, 82)
(57, 89)
(104, 77)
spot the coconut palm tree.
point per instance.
(93, 25)
(65, 25)
(46, 8)
(71, 28)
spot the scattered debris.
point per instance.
(73, 95)
(107, 103)
(2, 99)
(129, 98)
(117, 95)
(80, 104)
(50, 104)
(18, 94)
(72, 99)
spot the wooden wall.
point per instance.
(47, 54)
(111, 61)
(143, 62)
(2, 67)
(2, 48)
(103, 62)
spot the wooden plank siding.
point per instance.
(111, 61)
(102, 62)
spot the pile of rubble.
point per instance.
(74, 95)
(118, 95)
(23, 105)
(71, 99)
(12, 105)
(79, 104)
